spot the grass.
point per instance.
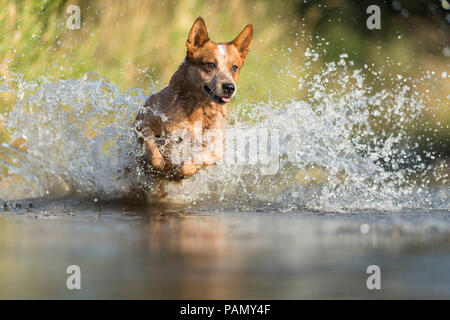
(140, 44)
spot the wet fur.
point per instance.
(195, 93)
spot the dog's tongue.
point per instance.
(225, 99)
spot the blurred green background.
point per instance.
(141, 43)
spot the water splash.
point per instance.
(345, 146)
(78, 137)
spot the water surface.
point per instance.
(351, 188)
(127, 251)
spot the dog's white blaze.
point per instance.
(222, 62)
(222, 49)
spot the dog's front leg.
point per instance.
(155, 156)
(188, 169)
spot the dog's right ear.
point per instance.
(198, 35)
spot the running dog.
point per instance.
(192, 105)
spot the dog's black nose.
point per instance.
(228, 88)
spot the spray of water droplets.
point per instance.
(345, 146)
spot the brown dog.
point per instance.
(193, 104)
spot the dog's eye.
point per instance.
(234, 68)
(210, 65)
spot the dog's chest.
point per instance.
(208, 116)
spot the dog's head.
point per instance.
(214, 67)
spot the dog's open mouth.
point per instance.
(214, 97)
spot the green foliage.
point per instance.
(140, 43)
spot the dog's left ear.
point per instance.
(243, 40)
(198, 35)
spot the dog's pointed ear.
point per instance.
(243, 40)
(198, 35)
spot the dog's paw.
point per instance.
(187, 170)
(158, 163)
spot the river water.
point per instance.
(345, 186)
(128, 251)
